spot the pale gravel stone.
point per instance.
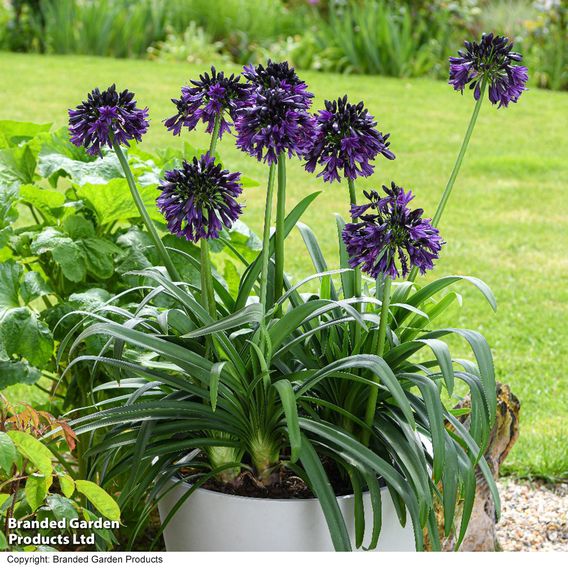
(534, 516)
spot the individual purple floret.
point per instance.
(106, 116)
(346, 142)
(204, 100)
(198, 199)
(390, 238)
(492, 60)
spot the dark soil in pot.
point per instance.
(285, 485)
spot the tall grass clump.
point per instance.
(381, 37)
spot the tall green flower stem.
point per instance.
(356, 271)
(372, 400)
(174, 275)
(279, 234)
(266, 235)
(206, 270)
(453, 176)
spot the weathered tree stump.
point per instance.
(481, 535)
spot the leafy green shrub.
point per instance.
(69, 233)
(548, 45)
(36, 486)
(194, 45)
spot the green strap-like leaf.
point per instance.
(321, 486)
(253, 271)
(288, 398)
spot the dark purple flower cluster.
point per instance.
(198, 199)
(390, 235)
(491, 60)
(211, 96)
(105, 117)
(346, 141)
(278, 75)
(275, 117)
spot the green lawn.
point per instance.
(507, 222)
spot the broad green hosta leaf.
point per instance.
(77, 227)
(17, 372)
(10, 274)
(8, 201)
(113, 201)
(78, 251)
(49, 201)
(17, 165)
(34, 286)
(34, 451)
(22, 334)
(8, 453)
(5, 235)
(52, 165)
(100, 499)
(14, 132)
(13, 285)
(72, 260)
(99, 254)
(48, 240)
(91, 299)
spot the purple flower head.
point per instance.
(198, 199)
(491, 60)
(211, 96)
(278, 75)
(106, 116)
(275, 117)
(346, 141)
(390, 238)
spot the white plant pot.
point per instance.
(212, 521)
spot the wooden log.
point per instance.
(481, 535)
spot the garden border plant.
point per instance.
(277, 378)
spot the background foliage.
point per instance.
(411, 38)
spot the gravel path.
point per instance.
(534, 516)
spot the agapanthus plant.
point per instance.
(490, 63)
(389, 237)
(112, 119)
(346, 142)
(274, 119)
(273, 123)
(268, 382)
(199, 199)
(105, 118)
(210, 100)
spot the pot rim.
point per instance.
(178, 482)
